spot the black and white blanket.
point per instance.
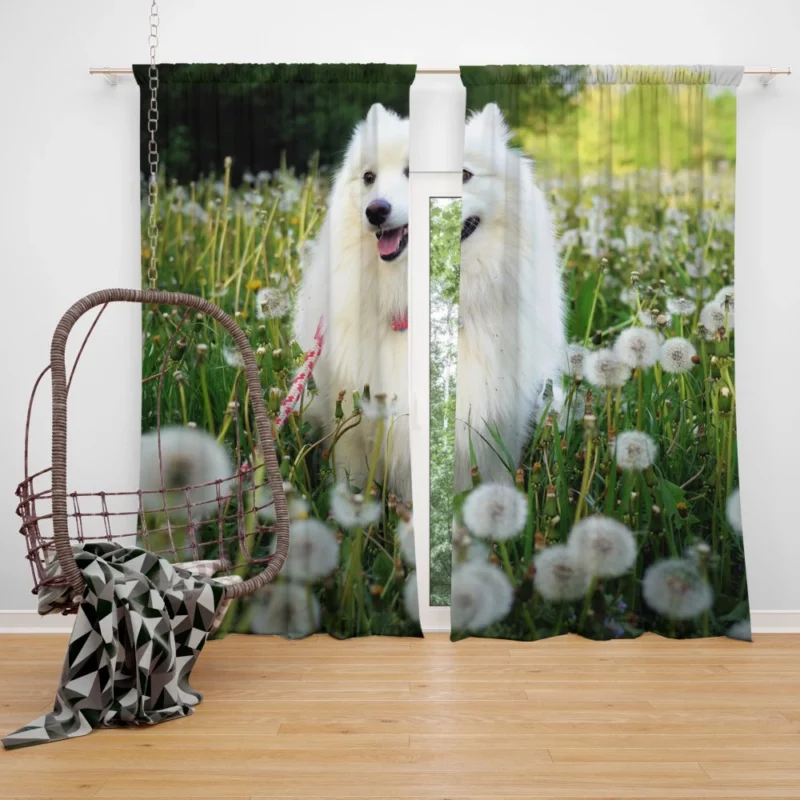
(137, 635)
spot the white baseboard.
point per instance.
(775, 621)
(31, 622)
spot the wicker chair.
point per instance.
(47, 516)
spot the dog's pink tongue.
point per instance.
(389, 241)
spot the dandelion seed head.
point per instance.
(271, 303)
(576, 360)
(725, 295)
(675, 588)
(741, 631)
(733, 510)
(606, 546)
(561, 574)
(652, 318)
(695, 291)
(233, 358)
(353, 510)
(637, 347)
(480, 595)
(313, 551)
(677, 354)
(495, 511)
(712, 318)
(634, 450)
(680, 306)
(700, 268)
(378, 406)
(604, 370)
(286, 609)
(628, 297)
(411, 597)
(190, 457)
(405, 536)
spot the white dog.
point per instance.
(511, 307)
(357, 280)
(511, 302)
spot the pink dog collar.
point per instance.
(400, 321)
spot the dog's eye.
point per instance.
(405, 172)
(465, 175)
(369, 178)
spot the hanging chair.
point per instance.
(53, 520)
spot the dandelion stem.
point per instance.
(206, 400)
(587, 602)
(640, 398)
(594, 306)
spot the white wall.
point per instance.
(69, 199)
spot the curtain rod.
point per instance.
(112, 74)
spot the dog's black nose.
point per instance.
(378, 212)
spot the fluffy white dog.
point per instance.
(511, 307)
(357, 280)
(511, 302)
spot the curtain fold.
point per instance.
(596, 469)
(283, 198)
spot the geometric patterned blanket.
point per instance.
(137, 635)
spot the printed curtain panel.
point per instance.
(284, 199)
(596, 479)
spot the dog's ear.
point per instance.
(376, 110)
(491, 123)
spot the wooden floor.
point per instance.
(404, 718)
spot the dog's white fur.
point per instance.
(511, 300)
(357, 293)
(511, 306)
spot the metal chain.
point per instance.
(152, 154)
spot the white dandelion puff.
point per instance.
(605, 545)
(576, 360)
(480, 595)
(634, 450)
(677, 354)
(675, 588)
(233, 358)
(194, 210)
(725, 295)
(741, 631)
(628, 297)
(411, 597)
(190, 457)
(712, 318)
(405, 536)
(313, 551)
(495, 511)
(650, 318)
(271, 303)
(605, 371)
(637, 347)
(297, 506)
(701, 268)
(733, 511)
(291, 610)
(680, 306)
(561, 574)
(353, 510)
(379, 406)
(694, 292)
